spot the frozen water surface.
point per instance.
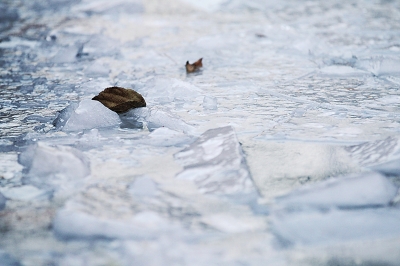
(282, 150)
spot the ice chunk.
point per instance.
(74, 224)
(156, 118)
(312, 228)
(54, 167)
(279, 167)
(210, 103)
(2, 202)
(89, 215)
(353, 191)
(143, 187)
(24, 193)
(87, 114)
(215, 162)
(164, 91)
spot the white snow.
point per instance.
(88, 114)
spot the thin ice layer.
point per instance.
(87, 114)
(370, 189)
(215, 162)
(54, 167)
(336, 226)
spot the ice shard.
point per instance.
(216, 163)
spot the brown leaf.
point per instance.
(194, 67)
(120, 100)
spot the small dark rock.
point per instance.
(120, 100)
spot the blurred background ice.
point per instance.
(283, 150)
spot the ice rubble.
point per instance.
(84, 115)
(2, 202)
(58, 167)
(352, 191)
(155, 117)
(215, 162)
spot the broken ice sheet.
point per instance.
(216, 163)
